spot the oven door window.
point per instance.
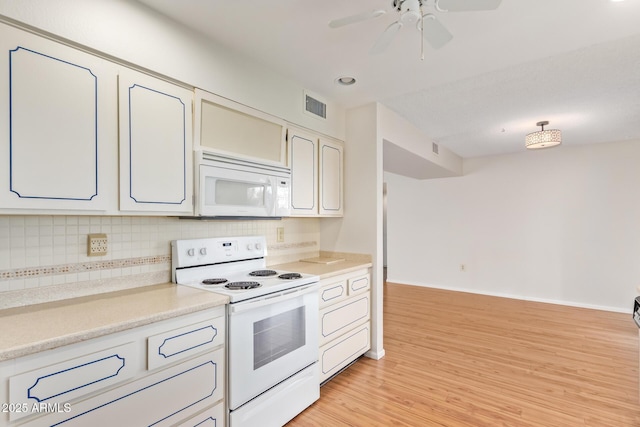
(277, 336)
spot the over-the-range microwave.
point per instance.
(228, 186)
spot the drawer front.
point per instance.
(339, 353)
(160, 399)
(178, 344)
(359, 284)
(61, 382)
(212, 417)
(333, 292)
(337, 319)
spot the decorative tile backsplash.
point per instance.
(42, 251)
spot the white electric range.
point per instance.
(272, 326)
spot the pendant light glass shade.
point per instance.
(543, 138)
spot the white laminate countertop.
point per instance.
(31, 329)
(323, 270)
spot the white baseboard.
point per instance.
(519, 297)
(375, 355)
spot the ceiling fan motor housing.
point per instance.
(409, 11)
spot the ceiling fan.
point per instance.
(411, 13)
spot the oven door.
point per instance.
(270, 339)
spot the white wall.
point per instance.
(558, 225)
(398, 131)
(48, 253)
(360, 230)
(132, 32)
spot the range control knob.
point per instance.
(258, 246)
(203, 251)
(191, 252)
(249, 247)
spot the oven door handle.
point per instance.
(274, 298)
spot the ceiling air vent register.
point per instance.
(315, 107)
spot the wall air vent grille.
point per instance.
(434, 148)
(315, 107)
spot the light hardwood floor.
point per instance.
(458, 359)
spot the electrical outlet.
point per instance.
(97, 244)
(463, 267)
(280, 234)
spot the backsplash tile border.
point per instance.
(83, 267)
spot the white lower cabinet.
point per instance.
(211, 417)
(167, 373)
(345, 321)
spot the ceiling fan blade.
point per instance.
(466, 5)
(385, 38)
(347, 20)
(434, 32)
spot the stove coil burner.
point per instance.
(263, 273)
(290, 276)
(214, 281)
(235, 286)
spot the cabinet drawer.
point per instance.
(339, 353)
(151, 400)
(359, 284)
(337, 319)
(212, 417)
(332, 293)
(181, 343)
(61, 382)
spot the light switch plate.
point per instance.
(97, 244)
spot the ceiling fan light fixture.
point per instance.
(346, 80)
(410, 11)
(543, 138)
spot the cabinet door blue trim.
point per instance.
(207, 423)
(215, 386)
(11, 115)
(166, 340)
(184, 151)
(329, 289)
(45, 398)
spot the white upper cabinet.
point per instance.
(303, 152)
(155, 145)
(331, 178)
(316, 174)
(227, 127)
(58, 124)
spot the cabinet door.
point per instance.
(339, 353)
(331, 169)
(161, 399)
(303, 150)
(234, 129)
(155, 145)
(337, 319)
(58, 125)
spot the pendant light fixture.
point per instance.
(543, 138)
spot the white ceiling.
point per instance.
(575, 63)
